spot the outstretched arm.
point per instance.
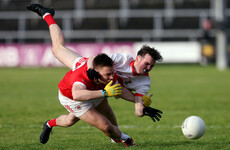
(142, 105)
(129, 96)
(126, 94)
(80, 93)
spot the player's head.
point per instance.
(103, 64)
(146, 59)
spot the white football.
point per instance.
(193, 127)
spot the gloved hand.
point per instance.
(40, 10)
(147, 100)
(154, 114)
(111, 90)
(92, 74)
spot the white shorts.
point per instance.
(78, 108)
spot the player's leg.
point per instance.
(105, 109)
(62, 121)
(66, 120)
(62, 53)
(96, 119)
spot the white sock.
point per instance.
(124, 136)
(45, 15)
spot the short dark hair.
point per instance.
(151, 51)
(102, 60)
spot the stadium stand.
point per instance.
(109, 20)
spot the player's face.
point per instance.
(144, 64)
(106, 74)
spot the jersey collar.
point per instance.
(133, 69)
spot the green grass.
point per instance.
(29, 98)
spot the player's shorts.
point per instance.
(78, 108)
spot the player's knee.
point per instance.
(107, 128)
(54, 50)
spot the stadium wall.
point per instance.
(40, 55)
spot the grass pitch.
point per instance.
(29, 98)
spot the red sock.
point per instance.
(49, 19)
(52, 123)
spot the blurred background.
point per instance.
(184, 31)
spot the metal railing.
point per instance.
(117, 16)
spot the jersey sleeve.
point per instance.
(79, 62)
(120, 59)
(143, 87)
(79, 83)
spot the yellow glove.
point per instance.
(147, 100)
(111, 90)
